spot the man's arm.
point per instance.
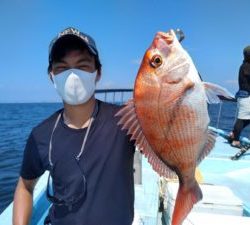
(23, 201)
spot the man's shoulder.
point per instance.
(47, 124)
(108, 112)
(109, 109)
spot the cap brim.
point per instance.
(85, 43)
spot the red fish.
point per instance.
(168, 117)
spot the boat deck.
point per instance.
(219, 169)
(225, 185)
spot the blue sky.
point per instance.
(216, 32)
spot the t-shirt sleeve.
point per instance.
(32, 165)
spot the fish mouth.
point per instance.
(168, 37)
(164, 42)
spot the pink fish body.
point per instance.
(168, 117)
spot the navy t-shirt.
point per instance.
(107, 163)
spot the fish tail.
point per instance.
(186, 198)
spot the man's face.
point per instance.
(75, 59)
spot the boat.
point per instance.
(222, 178)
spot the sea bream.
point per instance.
(168, 116)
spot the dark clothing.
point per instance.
(244, 77)
(243, 107)
(238, 127)
(107, 163)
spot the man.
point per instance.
(89, 158)
(243, 100)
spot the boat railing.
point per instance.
(222, 115)
(223, 100)
(121, 95)
(118, 96)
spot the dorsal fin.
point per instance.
(130, 122)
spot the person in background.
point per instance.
(243, 99)
(89, 158)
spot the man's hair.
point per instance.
(246, 53)
(67, 44)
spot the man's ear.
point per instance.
(98, 75)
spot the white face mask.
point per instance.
(75, 86)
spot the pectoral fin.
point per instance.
(213, 91)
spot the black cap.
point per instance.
(87, 40)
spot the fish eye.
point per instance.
(156, 61)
